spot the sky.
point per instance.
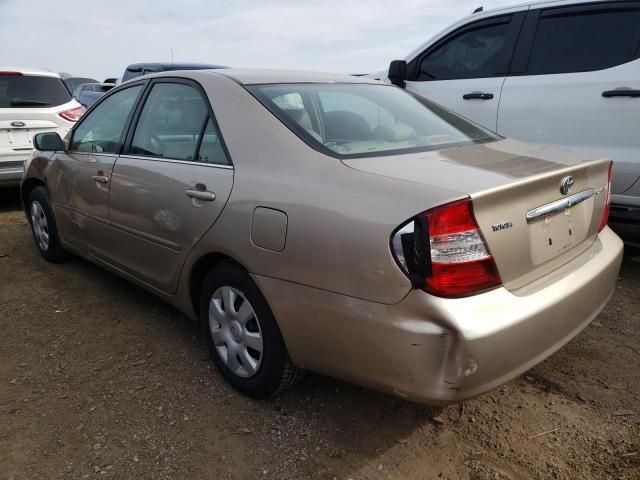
(99, 39)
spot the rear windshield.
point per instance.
(30, 91)
(359, 120)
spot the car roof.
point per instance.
(29, 71)
(262, 76)
(171, 66)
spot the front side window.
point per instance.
(101, 130)
(356, 120)
(474, 53)
(586, 41)
(171, 122)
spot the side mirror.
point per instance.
(48, 142)
(398, 72)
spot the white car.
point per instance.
(31, 101)
(564, 73)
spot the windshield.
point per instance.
(358, 120)
(31, 91)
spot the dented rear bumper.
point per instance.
(437, 351)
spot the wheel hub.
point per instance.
(236, 331)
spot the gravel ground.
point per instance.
(99, 379)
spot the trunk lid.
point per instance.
(507, 181)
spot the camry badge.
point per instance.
(566, 184)
(501, 226)
(18, 124)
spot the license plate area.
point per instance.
(15, 138)
(556, 233)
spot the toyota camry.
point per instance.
(334, 224)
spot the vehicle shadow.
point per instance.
(9, 199)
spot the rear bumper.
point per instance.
(11, 171)
(438, 351)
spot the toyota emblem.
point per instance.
(566, 184)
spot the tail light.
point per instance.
(74, 114)
(607, 205)
(10, 74)
(443, 252)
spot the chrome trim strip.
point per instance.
(560, 205)
(93, 154)
(168, 160)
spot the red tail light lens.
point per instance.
(10, 74)
(459, 261)
(607, 205)
(74, 114)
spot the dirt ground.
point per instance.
(99, 379)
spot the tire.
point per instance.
(232, 335)
(43, 226)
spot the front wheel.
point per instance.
(43, 226)
(242, 334)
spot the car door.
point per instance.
(170, 186)
(575, 83)
(465, 70)
(82, 173)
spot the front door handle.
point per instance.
(477, 96)
(101, 178)
(201, 195)
(621, 92)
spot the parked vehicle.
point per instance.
(564, 73)
(112, 80)
(139, 69)
(73, 82)
(31, 101)
(89, 93)
(336, 224)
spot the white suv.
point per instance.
(563, 73)
(31, 101)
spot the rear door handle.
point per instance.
(201, 195)
(101, 178)
(621, 92)
(477, 96)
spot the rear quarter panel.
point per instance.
(339, 220)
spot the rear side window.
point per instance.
(473, 53)
(31, 91)
(211, 149)
(584, 41)
(175, 124)
(101, 130)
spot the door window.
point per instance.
(585, 41)
(475, 53)
(101, 130)
(171, 122)
(211, 149)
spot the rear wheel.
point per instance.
(242, 334)
(43, 226)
